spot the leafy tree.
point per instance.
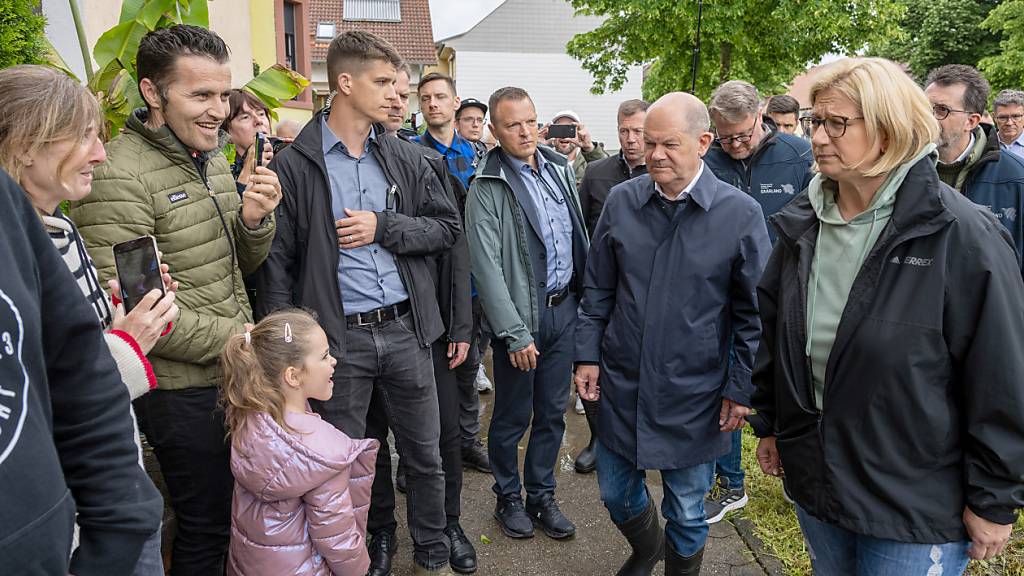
(1005, 67)
(937, 32)
(21, 33)
(765, 42)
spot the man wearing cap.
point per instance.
(571, 147)
(469, 123)
(438, 103)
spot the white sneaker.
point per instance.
(483, 384)
(579, 405)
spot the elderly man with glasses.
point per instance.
(750, 153)
(1008, 112)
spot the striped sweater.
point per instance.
(136, 371)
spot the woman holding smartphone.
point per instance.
(49, 143)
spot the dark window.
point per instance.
(290, 59)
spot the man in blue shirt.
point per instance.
(363, 219)
(527, 244)
(439, 104)
(1008, 112)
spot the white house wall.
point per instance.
(555, 82)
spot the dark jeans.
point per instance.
(465, 377)
(539, 395)
(382, 500)
(186, 431)
(388, 356)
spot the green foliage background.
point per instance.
(21, 33)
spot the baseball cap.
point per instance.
(472, 103)
(566, 114)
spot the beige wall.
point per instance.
(228, 18)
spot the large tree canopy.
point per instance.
(765, 42)
(21, 33)
(937, 32)
(1004, 68)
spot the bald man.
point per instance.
(668, 295)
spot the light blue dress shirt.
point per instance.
(555, 222)
(368, 275)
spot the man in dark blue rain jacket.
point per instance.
(669, 291)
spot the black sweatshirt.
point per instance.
(66, 437)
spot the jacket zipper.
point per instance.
(201, 169)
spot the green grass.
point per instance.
(775, 524)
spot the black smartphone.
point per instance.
(277, 144)
(257, 149)
(561, 130)
(138, 270)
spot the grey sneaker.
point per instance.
(721, 501)
(483, 383)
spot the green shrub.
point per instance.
(21, 33)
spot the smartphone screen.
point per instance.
(561, 131)
(138, 270)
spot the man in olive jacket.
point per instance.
(166, 177)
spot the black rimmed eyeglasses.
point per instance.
(941, 111)
(835, 126)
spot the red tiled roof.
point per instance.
(413, 37)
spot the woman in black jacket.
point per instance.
(889, 375)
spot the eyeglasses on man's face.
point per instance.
(941, 111)
(741, 138)
(835, 126)
(1007, 118)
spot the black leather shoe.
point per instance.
(679, 565)
(545, 513)
(512, 518)
(475, 457)
(586, 462)
(463, 555)
(382, 549)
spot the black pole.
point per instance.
(696, 48)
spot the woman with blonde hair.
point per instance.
(49, 144)
(888, 379)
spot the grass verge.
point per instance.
(775, 524)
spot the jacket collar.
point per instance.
(493, 160)
(165, 140)
(703, 193)
(917, 204)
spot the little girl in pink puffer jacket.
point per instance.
(302, 487)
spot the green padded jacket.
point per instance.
(151, 184)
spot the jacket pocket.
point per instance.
(802, 459)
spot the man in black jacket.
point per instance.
(362, 218)
(64, 420)
(602, 175)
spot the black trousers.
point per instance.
(186, 431)
(382, 500)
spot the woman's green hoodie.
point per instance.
(840, 251)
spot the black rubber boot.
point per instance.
(678, 565)
(586, 462)
(645, 535)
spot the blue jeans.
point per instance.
(729, 468)
(838, 552)
(151, 561)
(624, 494)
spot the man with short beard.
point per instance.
(165, 176)
(970, 158)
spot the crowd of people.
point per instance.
(847, 282)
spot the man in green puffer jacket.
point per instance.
(166, 177)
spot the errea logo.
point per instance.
(912, 261)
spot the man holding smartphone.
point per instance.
(576, 145)
(165, 176)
